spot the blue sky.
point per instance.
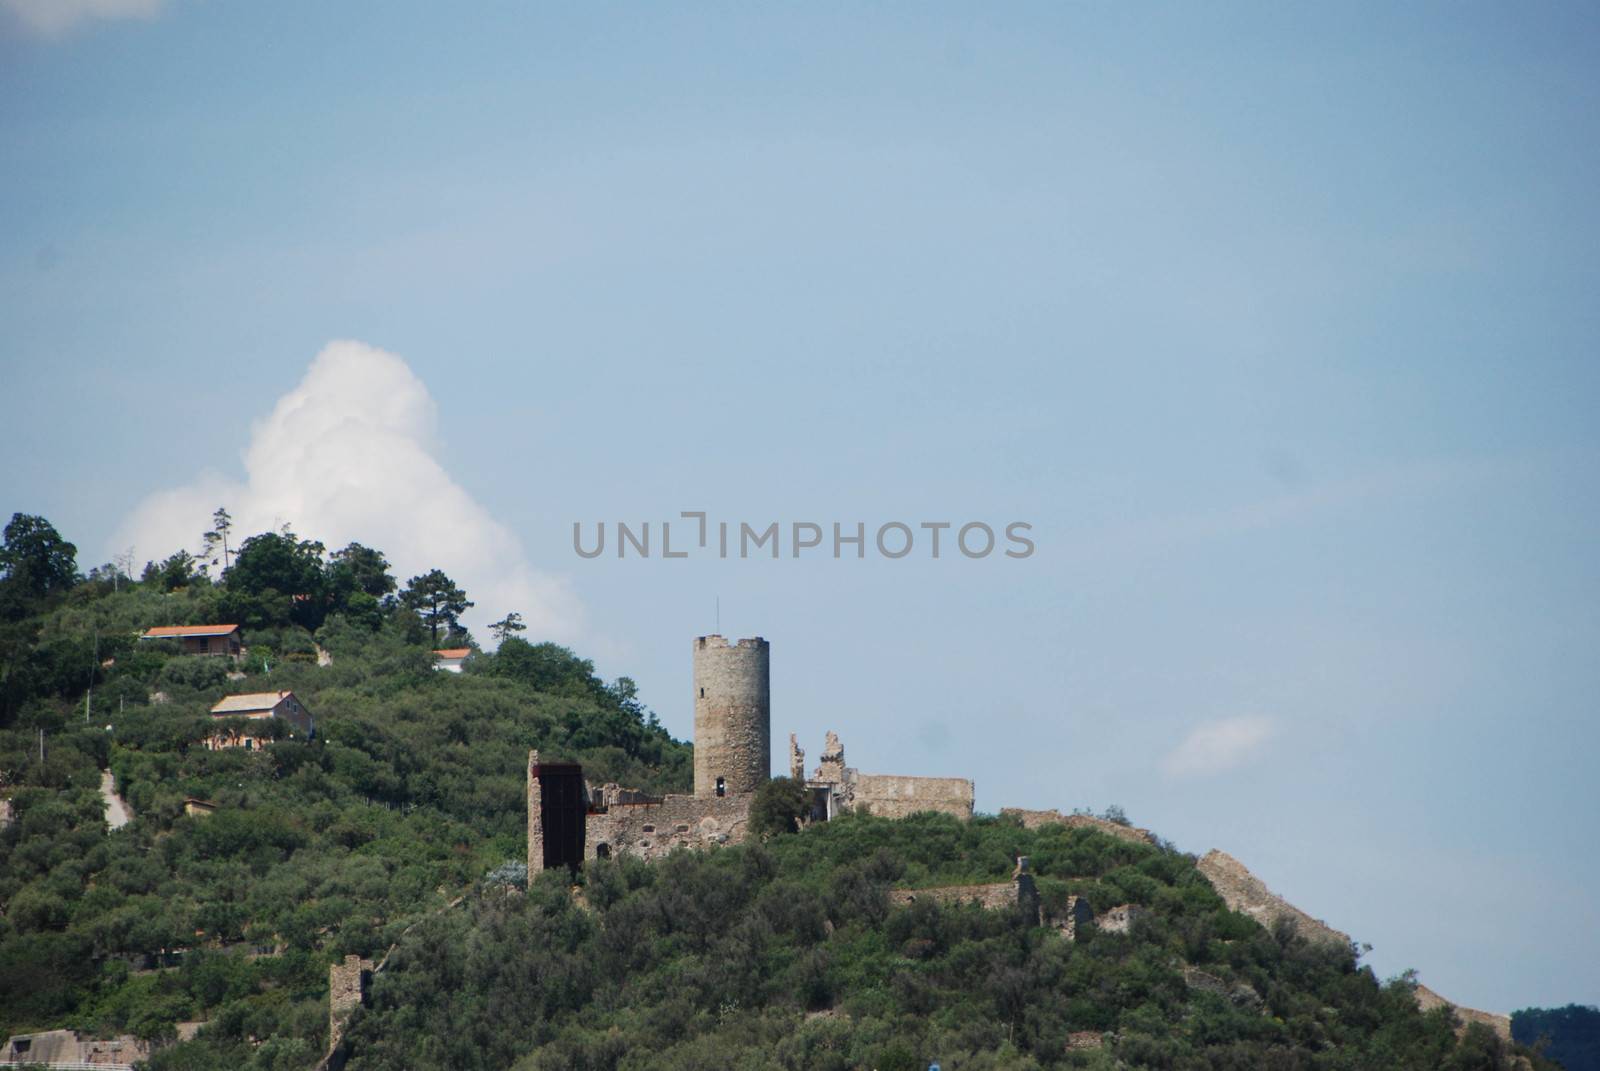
(1276, 323)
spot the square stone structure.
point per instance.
(557, 806)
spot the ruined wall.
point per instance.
(1035, 819)
(347, 991)
(997, 896)
(1245, 893)
(535, 819)
(1018, 894)
(889, 796)
(651, 830)
(732, 715)
(1119, 919)
(557, 800)
(1075, 914)
(1428, 1000)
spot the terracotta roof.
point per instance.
(241, 704)
(453, 652)
(163, 632)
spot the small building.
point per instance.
(201, 639)
(259, 707)
(451, 659)
(196, 807)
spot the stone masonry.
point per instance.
(1428, 1000)
(847, 789)
(650, 830)
(347, 991)
(892, 796)
(1019, 894)
(732, 716)
(1245, 893)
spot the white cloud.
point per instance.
(53, 18)
(347, 456)
(1219, 745)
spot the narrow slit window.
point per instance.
(722, 787)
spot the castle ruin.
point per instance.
(571, 821)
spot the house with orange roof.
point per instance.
(257, 711)
(201, 639)
(451, 659)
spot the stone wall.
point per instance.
(732, 715)
(1019, 894)
(1119, 919)
(1075, 914)
(890, 796)
(998, 896)
(650, 830)
(347, 991)
(557, 801)
(884, 795)
(1035, 819)
(1428, 1000)
(1245, 893)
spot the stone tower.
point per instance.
(732, 716)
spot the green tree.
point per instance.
(176, 572)
(778, 807)
(221, 525)
(507, 627)
(359, 568)
(276, 577)
(437, 600)
(35, 562)
(547, 667)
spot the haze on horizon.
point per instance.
(1276, 324)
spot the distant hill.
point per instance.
(1570, 1035)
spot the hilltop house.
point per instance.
(451, 658)
(259, 707)
(201, 639)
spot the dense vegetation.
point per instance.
(787, 954)
(413, 790)
(398, 828)
(1570, 1035)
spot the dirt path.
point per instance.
(118, 813)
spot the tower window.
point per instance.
(702, 693)
(722, 787)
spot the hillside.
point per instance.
(391, 836)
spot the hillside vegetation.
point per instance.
(400, 826)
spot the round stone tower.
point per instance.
(732, 716)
